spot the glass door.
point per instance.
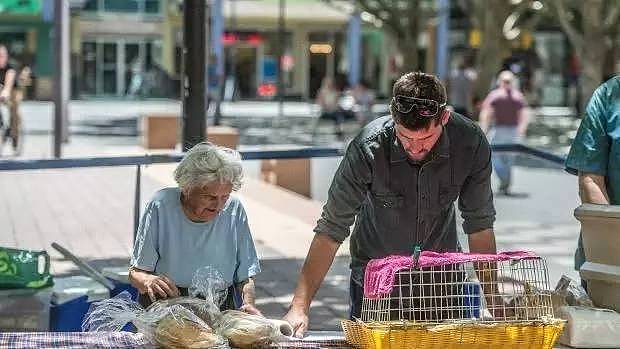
(118, 67)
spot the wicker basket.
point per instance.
(471, 335)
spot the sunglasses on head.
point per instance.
(423, 107)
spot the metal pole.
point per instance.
(194, 113)
(354, 45)
(281, 48)
(217, 30)
(443, 40)
(61, 74)
(136, 203)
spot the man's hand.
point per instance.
(250, 309)
(298, 319)
(159, 286)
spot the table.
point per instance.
(62, 340)
(316, 340)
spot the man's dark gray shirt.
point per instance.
(397, 204)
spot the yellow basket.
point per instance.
(409, 335)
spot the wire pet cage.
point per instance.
(456, 300)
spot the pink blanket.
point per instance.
(380, 273)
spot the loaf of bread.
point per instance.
(243, 330)
(177, 332)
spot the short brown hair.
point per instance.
(419, 85)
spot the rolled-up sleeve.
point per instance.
(248, 264)
(145, 248)
(590, 149)
(476, 197)
(346, 194)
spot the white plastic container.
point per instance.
(120, 274)
(72, 287)
(25, 309)
(590, 327)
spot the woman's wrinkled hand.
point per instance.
(160, 286)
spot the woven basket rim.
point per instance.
(393, 325)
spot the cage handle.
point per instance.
(416, 255)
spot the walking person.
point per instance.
(327, 99)
(364, 99)
(460, 90)
(504, 118)
(8, 97)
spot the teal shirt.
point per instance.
(596, 148)
(169, 243)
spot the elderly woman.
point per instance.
(196, 224)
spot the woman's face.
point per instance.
(202, 204)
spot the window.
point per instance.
(123, 6)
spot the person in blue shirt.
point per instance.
(197, 224)
(595, 153)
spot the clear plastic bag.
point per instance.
(244, 330)
(167, 325)
(188, 322)
(570, 292)
(205, 310)
(182, 322)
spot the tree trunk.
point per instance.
(494, 47)
(409, 43)
(593, 50)
(409, 50)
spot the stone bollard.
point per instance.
(600, 229)
(223, 135)
(291, 174)
(160, 131)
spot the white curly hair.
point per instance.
(205, 163)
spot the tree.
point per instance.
(592, 29)
(500, 23)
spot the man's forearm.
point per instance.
(319, 260)
(593, 189)
(482, 241)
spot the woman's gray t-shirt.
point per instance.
(169, 243)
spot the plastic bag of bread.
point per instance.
(205, 310)
(180, 328)
(164, 324)
(244, 330)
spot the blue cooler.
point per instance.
(71, 298)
